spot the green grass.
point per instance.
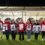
(25, 42)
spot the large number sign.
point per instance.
(43, 27)
(5, 27)
(29, 27)
(1, 27)
(36, 28)
(13, 27)
(20, 26)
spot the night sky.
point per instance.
(21, 3)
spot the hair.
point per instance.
(29, 19)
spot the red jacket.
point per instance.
(42, 23)
(21, 27)
(31, 27)
(8, 25)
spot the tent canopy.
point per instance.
(22, 8)
(22, 12)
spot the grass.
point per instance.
(25, 42)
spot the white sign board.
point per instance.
(43, 27)
(36, 28)
(13, 27)
(29, 27)
(5, 27)
(20, 26)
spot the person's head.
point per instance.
(0, 18)
(44, 19)
(28, 21)
(13, 20)
(21, 20)
(36, 21)
(41, 20)
(7, 20)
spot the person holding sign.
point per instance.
(43, 29)
(29, 27)
(21, 28)
(6, 27)
(1, 28)
(13, 29)
(36, 29)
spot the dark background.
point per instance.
(22, 3)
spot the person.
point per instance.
(13, 29)
(1, 28)
(36, 29)
(43, 29)
(21, 28)
(6, 27)
(29, 27)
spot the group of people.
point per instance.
(12, 27)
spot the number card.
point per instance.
(43, 27)
(36, 28)
(13, 27)
(20, 26)
(1, 27)
(29, 27)
(5, 27)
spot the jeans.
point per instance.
(13, 35)
(36, 36)
(7, 32)
(43, 35)
(28, 34)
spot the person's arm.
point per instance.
(31, 26)
(17, 26)
(40, 26)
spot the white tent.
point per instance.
(21, 12)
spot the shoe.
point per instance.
(42, 39)
(28, 39)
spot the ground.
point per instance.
(25, 42)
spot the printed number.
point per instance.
(21, 26)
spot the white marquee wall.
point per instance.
(22, 14)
